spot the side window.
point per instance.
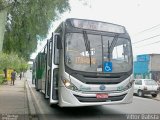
(138, 82)
(56, 53)
(50, 53)
(45, 52)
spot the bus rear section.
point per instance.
(91, 64)
(38, 70)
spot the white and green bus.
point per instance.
(86, 63)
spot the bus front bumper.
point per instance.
(69, 98)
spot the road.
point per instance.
(138, 106)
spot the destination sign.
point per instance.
(85, 60)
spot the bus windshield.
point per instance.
(102, 49)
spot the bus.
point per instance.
(86, 63)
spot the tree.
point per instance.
(12, 61)
(30, 21)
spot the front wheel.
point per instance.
(154, 95)
(140, 93)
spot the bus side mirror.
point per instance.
(59, 41)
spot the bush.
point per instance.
(1, 79)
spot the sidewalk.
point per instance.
(13, 100)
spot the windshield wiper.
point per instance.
(110, 47)
(108, 51)
(87, 44)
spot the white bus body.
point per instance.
(87, 63)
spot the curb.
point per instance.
(31, 106)
(32, 110)
(39, 109)
(156, 99)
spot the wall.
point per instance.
(154, 62)
(141, 66)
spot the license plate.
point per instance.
(101, 96)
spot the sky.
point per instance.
(140, 17)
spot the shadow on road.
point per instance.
(87, 113)
(145, 96)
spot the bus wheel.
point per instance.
(37, 90)
(54, 105)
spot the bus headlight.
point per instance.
(69, 85)
(129, 85)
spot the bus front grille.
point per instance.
(94, 99)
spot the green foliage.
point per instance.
(30, 22)
(1, 5)
(12, 61)
(1, 71)
(1, 79)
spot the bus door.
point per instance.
(54, 71)
(48, 68)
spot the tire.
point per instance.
(37, 90)
(140, 93)
(54, 105)
(154, 95)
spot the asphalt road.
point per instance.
(139, 106)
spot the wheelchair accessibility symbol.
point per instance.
(107, 67)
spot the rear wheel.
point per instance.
(154, 95)
(54, 105)
(140, 93)
(37, 90)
